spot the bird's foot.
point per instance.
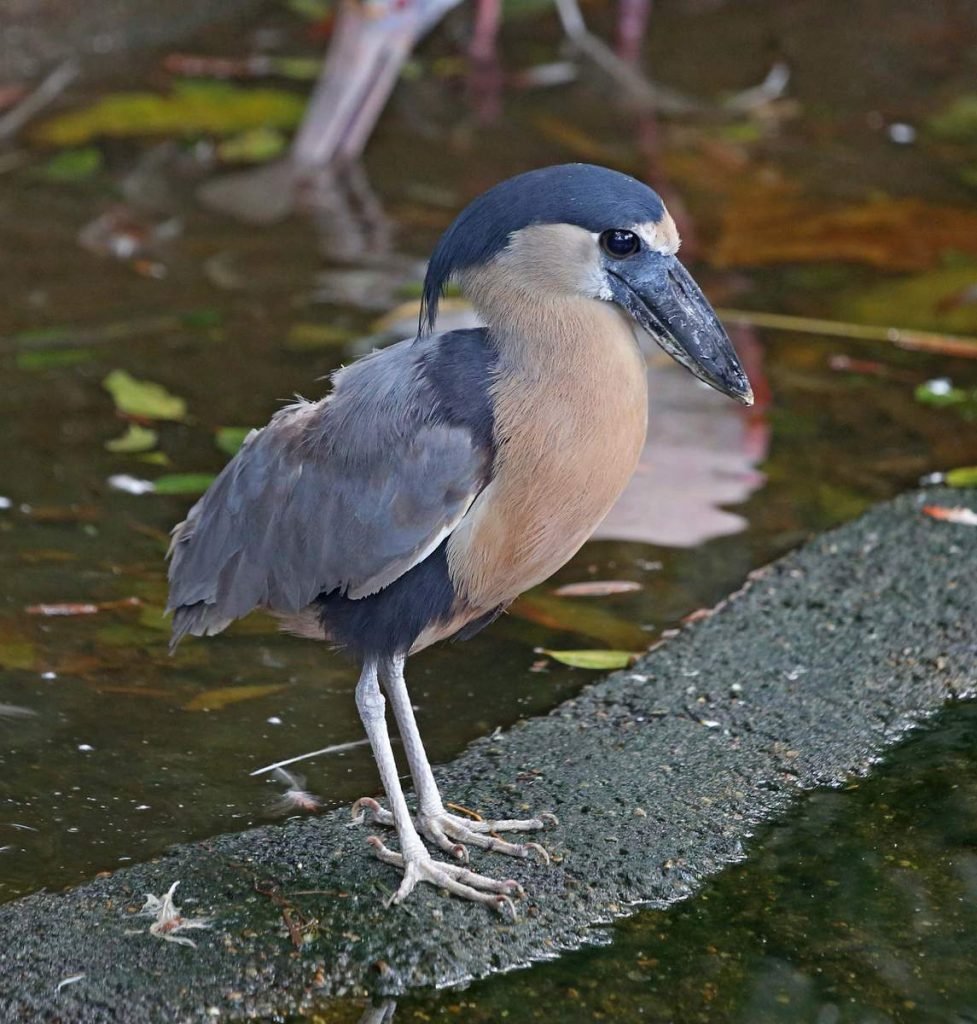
(451, 832)
(419, 866)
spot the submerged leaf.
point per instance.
(601, 660)
(73, 165)
(958, 122)
(53, 359)
(256, 146)
(310, 336)
(135, 439)
(143, 398)
(183, 483)
(191, 109)
(230, 439)
(215, 700)
(892, 234)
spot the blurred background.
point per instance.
(188, 238)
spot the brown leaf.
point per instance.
(776, 225)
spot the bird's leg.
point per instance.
(417, 864)
(449, 831)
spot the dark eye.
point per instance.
(620, 244)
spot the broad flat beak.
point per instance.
(659, 293)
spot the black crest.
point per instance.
(590, 197)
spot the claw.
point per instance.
(458, 880)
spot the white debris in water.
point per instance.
(902, 134)
(131, 484)
(939, 386)
(85, 748)
(5, 503)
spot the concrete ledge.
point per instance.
(659, 776)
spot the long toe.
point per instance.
(451, 832)
(457, 879)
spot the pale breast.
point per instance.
(569, 433)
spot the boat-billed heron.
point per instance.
(446, 474)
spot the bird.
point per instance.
(442, 476)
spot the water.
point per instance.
(130, 750)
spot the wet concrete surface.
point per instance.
(659, 776)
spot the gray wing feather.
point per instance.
(347, 493)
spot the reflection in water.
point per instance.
(700, 454)
(379, 1013)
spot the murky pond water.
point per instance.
(129, 750)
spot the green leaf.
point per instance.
(143, 397)
(73, 165)
(135, 439)
(44, 359)
(215, 700)
(230, 439)
(958, 122)
(299, 69)
(963, 476)
(310, 336)
(183, 483)
(601, 660)
(941, 394)
(192, 108)
(256, 146)
(312, 10)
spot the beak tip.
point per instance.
(746, 396)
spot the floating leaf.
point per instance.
(963, 476)
(230, 439)
(135, 439)
(73, 165)
(256, 146)
(959, 515)
(597, 588)
(183, 483)
(191, 109)
(216, 700)
(600, 660)
(53, 359)
(942, 394)
(143, 398)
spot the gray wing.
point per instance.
(347, 493)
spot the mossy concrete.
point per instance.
(659, 776)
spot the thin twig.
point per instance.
(919, 341)
(33, 103)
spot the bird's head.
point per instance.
(579, 231)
